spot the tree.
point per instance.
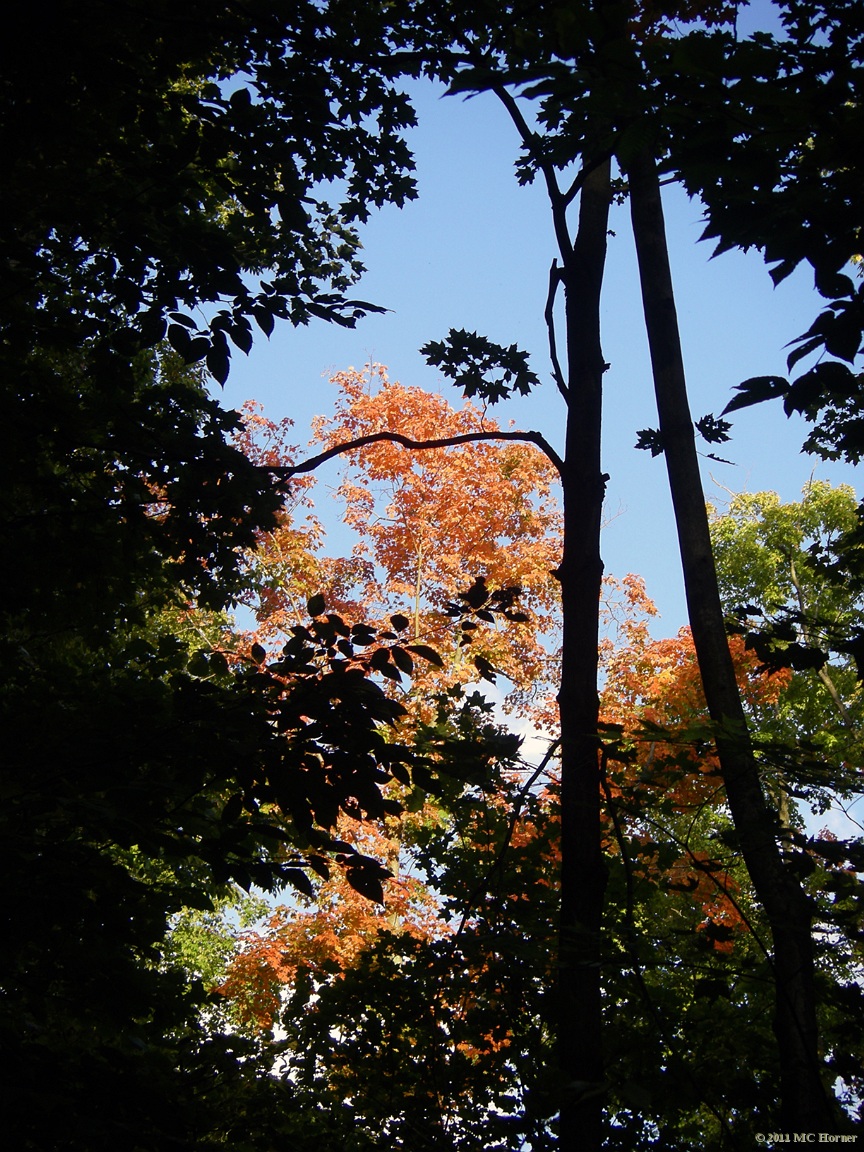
(436, 1027)
(616, 82)
(159, 161)
(771, 565)
(142, 774)
(417, 547)
(93, 284)
(795, 616)
(161, 165)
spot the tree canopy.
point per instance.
(632, 940)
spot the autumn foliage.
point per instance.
(425, 525)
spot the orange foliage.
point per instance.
(715, 891)
(657, 683)
(428, 523)
(286, 561)
(653, 694)
(333, 931)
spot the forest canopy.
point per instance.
(436, 843)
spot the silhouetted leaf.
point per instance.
(316, 605)
(426, 652)
(649, 439)
(755, 391)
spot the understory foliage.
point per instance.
(427, 1018)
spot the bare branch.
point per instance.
(554, 280)
(623, 187)
(508, 835)
(528, 135)
(556, 199)
(418, 445)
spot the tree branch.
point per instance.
(623, 186)
(582, 175)
(556, 198)
(419, 445)
(554, 280)
(497, 863)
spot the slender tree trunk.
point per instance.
(805, 1103)
(583, 871)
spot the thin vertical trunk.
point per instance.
(583, 872)
(805, 1104)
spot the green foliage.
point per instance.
(481, 367)
(120, 499)
(161, 162)
(771, 565)
(136, 185)
(444, 1042)
(173, 176)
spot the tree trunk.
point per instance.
(805, 1105)
(583, 872)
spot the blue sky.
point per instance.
(474, 252)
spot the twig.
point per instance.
(505, 844)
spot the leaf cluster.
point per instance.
(162, 161)
(480, 367)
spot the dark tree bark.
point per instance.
(583, 871)
(805, 1104)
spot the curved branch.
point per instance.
(554, 280)
(547, 168)
(419, 445)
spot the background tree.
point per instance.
(106, 459)
(418, 547)
(604, 87)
